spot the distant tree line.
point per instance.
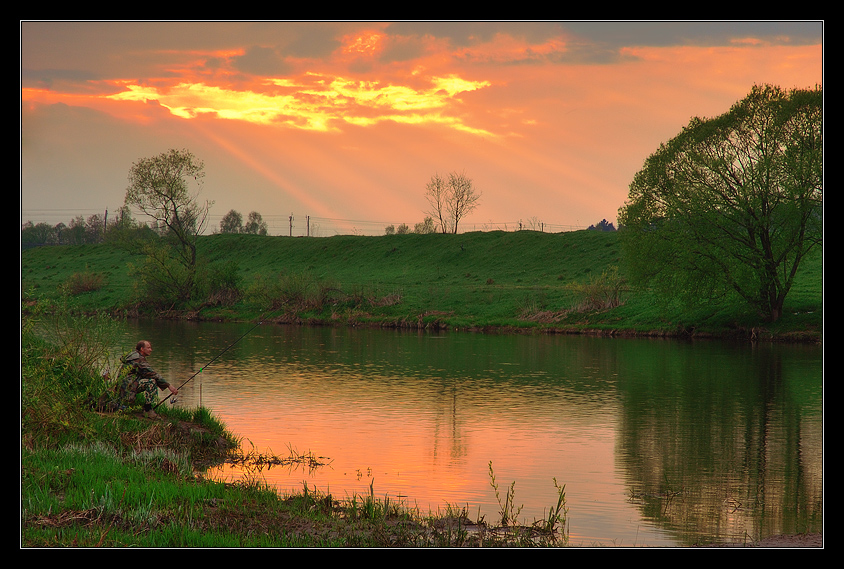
(602, 225)
(101, 228)
(423, 227)
(232, 222)
(95, 228)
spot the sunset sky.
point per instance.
(346, 122)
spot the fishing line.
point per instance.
(227, 348)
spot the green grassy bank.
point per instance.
(522, 280)
(96, 478)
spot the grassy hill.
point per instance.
(478, 280)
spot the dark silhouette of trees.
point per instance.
(232, 222)
(602, 225)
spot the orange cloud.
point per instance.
(320, 105)
(366, 42)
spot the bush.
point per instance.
(222, 282)
(64, 370)
(80, 283)
(161, 279)
(292, 292)
(599, 293)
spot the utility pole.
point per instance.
(291, 225)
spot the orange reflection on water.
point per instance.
(431, 455)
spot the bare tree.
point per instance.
(437, 194)
(464, 198)
(451, 199)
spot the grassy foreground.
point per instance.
(526, 280)
(115, 479)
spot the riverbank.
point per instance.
(115, 479)
(93, 476)
(496, 282)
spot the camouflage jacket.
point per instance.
(140, 369)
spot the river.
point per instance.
(658, 442)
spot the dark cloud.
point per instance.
(602, 41)
(46, 78)
(620, 33)
(462, 34)
(261, 61)
(311, 40)
(402, 48)
(83, 50)
(700, 33)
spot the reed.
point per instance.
(508, 512)
(552, 529)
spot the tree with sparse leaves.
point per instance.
(450, 199)
(732, 204)
(166, 188)
(425, 227)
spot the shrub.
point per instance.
(223, 283)
(295, 292)
(599, 292)
(79, 283)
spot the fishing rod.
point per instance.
(226, 349)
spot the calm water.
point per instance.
(658, 442)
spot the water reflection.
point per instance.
(726, 444)
(658, 442)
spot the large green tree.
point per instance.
(166, 188)
(732, 204)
